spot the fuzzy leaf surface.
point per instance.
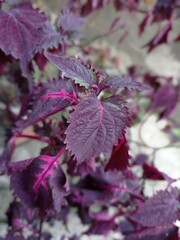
(49, 99)
(160, 210)
(72, 68)
(19, 32)
(95, 127)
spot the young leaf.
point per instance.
(160, 210)
(49, 99)
(95, 127)
(72, 68)
(19, 31)
(32, 180)
(119, 157)
(123, 82)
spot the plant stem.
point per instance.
(38, 138)
(40, 229)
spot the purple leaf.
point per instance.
(19, 217)
(124, 82)
(39, 182)
(162, 36)
(6, 155)
(19, 31)
(145, 22)
(72, 68)
(160, 210)
(119, 157)
(101, 227)
(163, 10)
(99, 187)
(70, 22)
(95, 127)
(81, 169)
(48, 38)
(150, 172)
(165, 99)
(41, 61)
(154, 233)
(49, 99)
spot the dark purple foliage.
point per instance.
(154, 233)
(146, 20)
(165, 99)
(150, 172)
(160, 210)
(19, 35)
(6, 155)
(49, 99)
(72, 68)
(163, 10)
(120, 156)
(124, 82)
(33, 179)
(48, 38)
(101, 227)
(95, 127)
(85, 165)
(81, 169)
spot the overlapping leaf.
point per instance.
(49, 99)
(123, 82)
(72, 68)
(19, 31)
(165, 99)
(48, 38)
(95, 127)
(39, 182)
(119, 157)
(160, 210)
(98, 187)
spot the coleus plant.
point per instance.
(86, 160)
